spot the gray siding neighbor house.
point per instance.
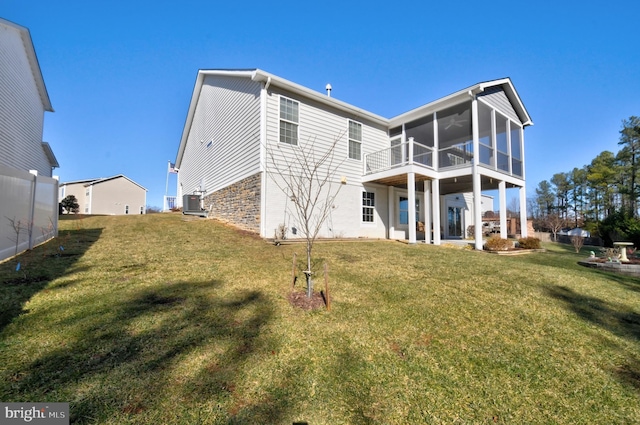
(117, 195)
(23, 102)
(417, 176)
(28, 193)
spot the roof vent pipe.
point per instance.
(328, 88)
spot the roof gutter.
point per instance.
(270, 79)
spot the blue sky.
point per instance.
(120, 74)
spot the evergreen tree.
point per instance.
(70, 203)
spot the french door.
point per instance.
(454, 222)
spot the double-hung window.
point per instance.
(289, 120)
(355, 140)
(368, 207)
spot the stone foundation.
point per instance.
(238, 204)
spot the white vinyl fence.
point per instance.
(28, 210)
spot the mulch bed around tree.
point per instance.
(300, 300)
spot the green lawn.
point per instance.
(159, 319)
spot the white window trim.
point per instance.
(361, 209)
(297, 124)
(349, 139)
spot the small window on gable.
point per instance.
(368, 207)
(289, 120)
(355, 140)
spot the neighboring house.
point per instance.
(28, 203)
(117, 195)
(23, 102)
(400, 176)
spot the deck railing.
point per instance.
(409, 152)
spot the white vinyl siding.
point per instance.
(223, 145)
(496, 98)
(322, 126)
(355, 140)
(21, 107)
(289, 121)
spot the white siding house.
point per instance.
(417, 176)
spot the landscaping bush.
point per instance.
(529, 243)
(620, 226)
(496, 243)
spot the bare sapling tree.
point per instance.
(308, 175)
(17, 226)
(555, 222)
(577, 242)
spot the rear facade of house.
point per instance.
(416, 176)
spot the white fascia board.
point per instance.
(33, 62)
(263, 76)
(189, 120)
(462, 95)
(97, 181)
(50, 155)
(259, 75)
(513, 97)
(197, 89)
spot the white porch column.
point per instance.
(427, 211)
(475, 174)
(523, 212)
(502, 190)
(435, 197)
(477, 208)
(392, 219)
(411, 187)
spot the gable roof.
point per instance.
(50, 156)
(269, 79)
(91, 182)
(33, 62)
(469, 93)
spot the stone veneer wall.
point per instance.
(238, 204)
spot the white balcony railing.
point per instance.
(409, 152)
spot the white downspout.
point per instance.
(263, 158)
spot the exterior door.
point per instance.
(454, 222)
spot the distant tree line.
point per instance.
(601, 197)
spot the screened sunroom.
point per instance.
(469, 142)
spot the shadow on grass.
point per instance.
(38, 267)
(617, 319)
(179, 345)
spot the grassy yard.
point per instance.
(161, 320)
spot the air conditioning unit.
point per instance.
(191, 205)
